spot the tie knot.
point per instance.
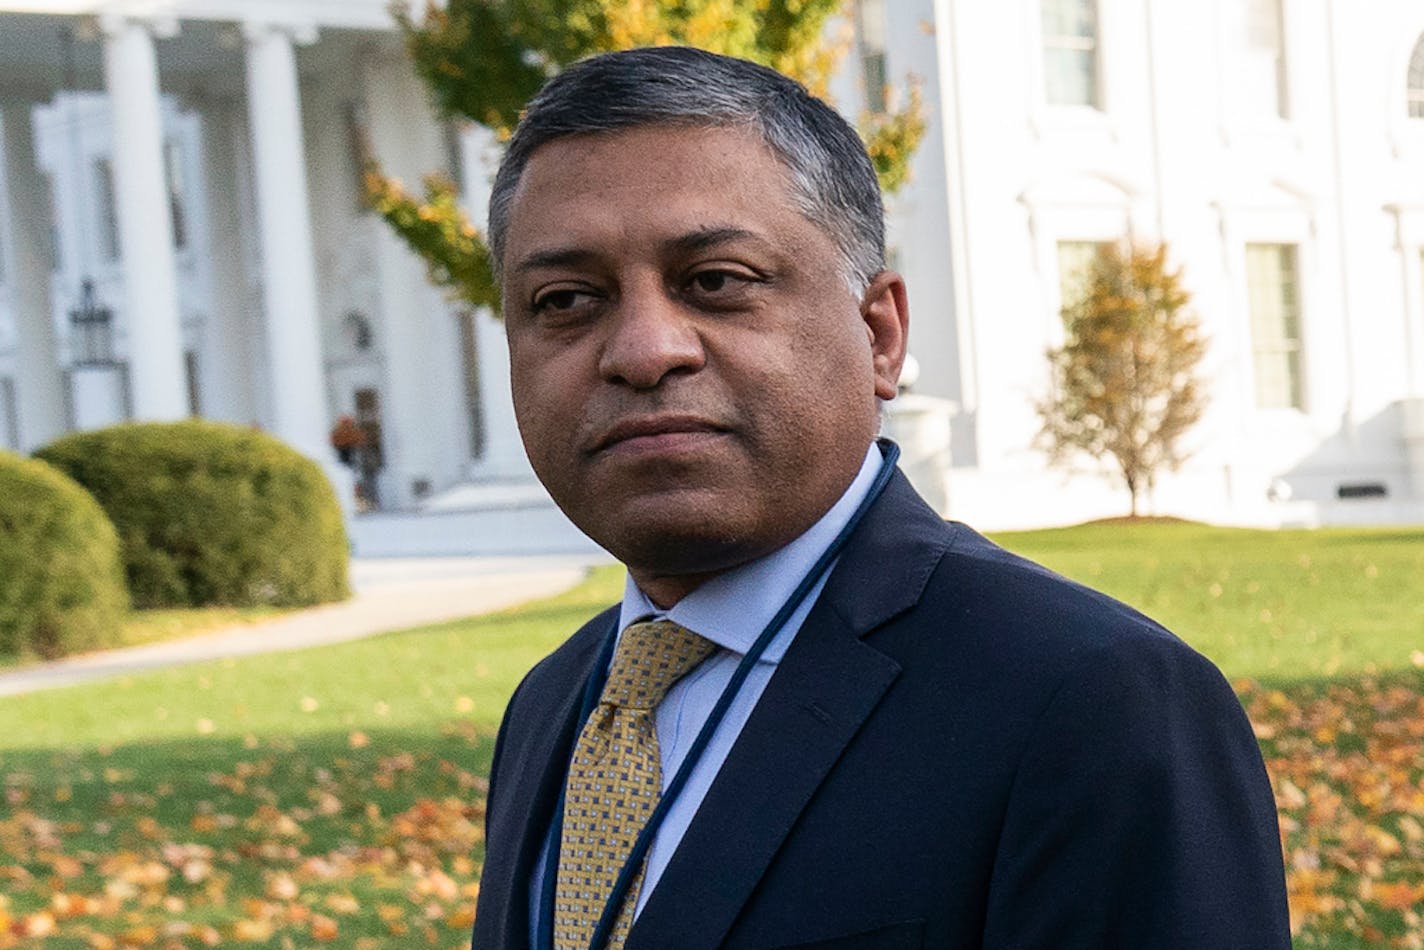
(651, 657)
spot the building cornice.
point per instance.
(338, 14)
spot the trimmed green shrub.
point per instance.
(209, 513)
(61, 580)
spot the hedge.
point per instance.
(61, 580)
(209, 513)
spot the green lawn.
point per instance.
(335, 796)
(1277, 606)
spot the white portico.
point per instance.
(197, 165)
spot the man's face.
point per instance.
(694, 381)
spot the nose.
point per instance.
(650, 337)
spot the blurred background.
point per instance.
(186, 229)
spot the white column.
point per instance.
(229, 376)
(504, 451)
(289, 292)
(155, 341)
(39, 382)
(419, 333)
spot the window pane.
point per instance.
(1416, 81)
(358, 152)
(1263, 59)
(1075, 270)
(1070, 18)
(1278, 380)
(1273, 293)
(1070, 52)
(9, 415)
(876, 94)
(107, 211)
(173, 172)
(870, 18)
(1056, 17)
(3, 222)
(194, 381)
(1071, 78)
(872, 23)
(1263, 25)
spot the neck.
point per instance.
(665, 590)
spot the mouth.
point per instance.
(657, 433)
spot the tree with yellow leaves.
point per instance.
(484, 59)
(1125, 382)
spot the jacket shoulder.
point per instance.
(1027, 606)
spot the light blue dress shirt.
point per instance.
(730, 610)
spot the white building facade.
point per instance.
(1277, 146)
(197, 163)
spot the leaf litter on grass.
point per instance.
(1346, 761)
(364, 840)
(361, 843)
(287, 837)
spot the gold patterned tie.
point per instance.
(616, 778)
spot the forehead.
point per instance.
(649, 177)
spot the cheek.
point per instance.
(837, 361)
(837, 387)
(536, 403)
(538, 373)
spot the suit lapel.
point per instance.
(826, 686)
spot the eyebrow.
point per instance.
(555, 257)
(699, 240)
(705, 238)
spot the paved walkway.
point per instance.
(390, 594)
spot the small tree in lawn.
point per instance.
(1125, 383)
(484, 59)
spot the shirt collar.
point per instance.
(732, 608)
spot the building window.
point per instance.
(3, 236)
(107, 209)
(370, 459)
(358, 152)
(56, 247)
(9, 415)
(1070, 52)
(1264, 88)
(192, 378)
(470, 365)
(1075, 270)
(1273, 291)
(870, 20)
(174, 177)
(1415, 89)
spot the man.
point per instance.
(943, 745)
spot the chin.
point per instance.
(680, 545)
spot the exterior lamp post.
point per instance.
(92, 324)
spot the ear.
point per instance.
(886, 312)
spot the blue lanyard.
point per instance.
(594, 688)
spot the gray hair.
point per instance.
(832, 180)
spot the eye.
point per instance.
(559, 300)
(711, 281)
(719, 282)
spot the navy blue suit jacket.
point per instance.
(960, 750)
